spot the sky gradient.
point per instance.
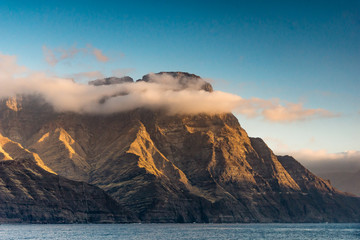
(291, 52)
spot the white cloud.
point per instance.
(293, 112)
(272, 110)
(9, 68)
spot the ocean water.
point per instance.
(180, 231)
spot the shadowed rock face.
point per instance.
(111, 80)
(306, 180)
(184, 79)
(184, 168)
(28, 193)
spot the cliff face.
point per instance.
(179, 168)
(28, 193)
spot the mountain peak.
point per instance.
(176, 80)
(182, 80)
(111, 80)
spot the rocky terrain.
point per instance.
(31, 192)
(165, 168)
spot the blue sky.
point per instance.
(296, 51)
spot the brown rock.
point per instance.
(30, 194)
(111, 80)
(183, 79)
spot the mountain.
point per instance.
(111, 80)
(344, 174)
(32, 192)
(28, 193)
(174, 168)
(345, 181)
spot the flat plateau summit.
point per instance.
(144, 165)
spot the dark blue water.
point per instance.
(181, 231)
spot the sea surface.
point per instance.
(180, 231)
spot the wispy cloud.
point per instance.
(56, 55)
(294, 112)
(49, 55)
(9, 67)
(162, 92)
(272, 110)
(277, 145)
(99, 55)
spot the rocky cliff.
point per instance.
(175, 168)
(30, 194)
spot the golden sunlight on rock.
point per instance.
(13, 104)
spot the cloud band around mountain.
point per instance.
(161, 93)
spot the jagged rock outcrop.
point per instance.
(111, 80)
(178, 168)
(306, 180)
(180, 80)
(10, 150)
